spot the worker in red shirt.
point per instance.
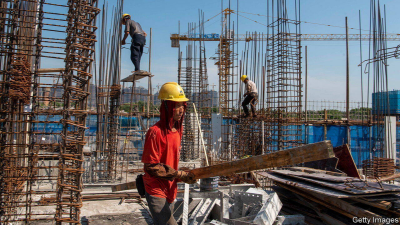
(161, 155)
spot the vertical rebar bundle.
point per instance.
(187, 81)
(80, 49)
(193, 78)
(284, 77)
(20, 34)
(204, 103)
(108, 98)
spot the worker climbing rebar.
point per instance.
(251, 96)
(138, 36)
(161, 155)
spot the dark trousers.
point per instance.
(138, 42)
(161, 210)
(247, 101)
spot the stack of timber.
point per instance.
(325, 197)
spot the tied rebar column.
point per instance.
(284, 78)
(20, 33)
(79, 50)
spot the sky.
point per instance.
(326, 59)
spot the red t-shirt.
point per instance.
(159, 148)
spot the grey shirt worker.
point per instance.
(138, 41)
(133, 28)
(251, 96)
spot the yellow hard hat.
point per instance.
(172, 91)
(243, 77)
(126, 14)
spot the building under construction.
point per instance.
(72, 135)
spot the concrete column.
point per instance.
(390, 137)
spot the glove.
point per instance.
(186, 177)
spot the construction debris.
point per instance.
(334, 199)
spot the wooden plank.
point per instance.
(50, 70)
(373, 187)
(319, 209)
(389, 197)
(324, 164)
(305, 186)
(335, 204)
(306, 153)
(392, 177)
(313, 170)
(312, 187)
(319, 176)
(379, 204)
(346, 161)
(126, 186)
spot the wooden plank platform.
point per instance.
(137, 76)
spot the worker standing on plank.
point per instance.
(251, 96)
(161, 155)
(138, 36)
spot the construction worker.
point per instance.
(161, 155)
(251, 96)
(138, 36)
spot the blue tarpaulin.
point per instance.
(362, 145)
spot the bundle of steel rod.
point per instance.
(34, 138)
(187, 76)
(377, 72)
(80, 50)
(284, 77)
(193, 78)
(204, 97)
(108, 94)
(253, 140)
(378, 167)
(30, 34)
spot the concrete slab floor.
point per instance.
(110, 212)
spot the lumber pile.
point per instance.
(334, 198)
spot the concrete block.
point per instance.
(225, 205)
(239, 187)
(268, 213)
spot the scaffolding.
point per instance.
(227, 86)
